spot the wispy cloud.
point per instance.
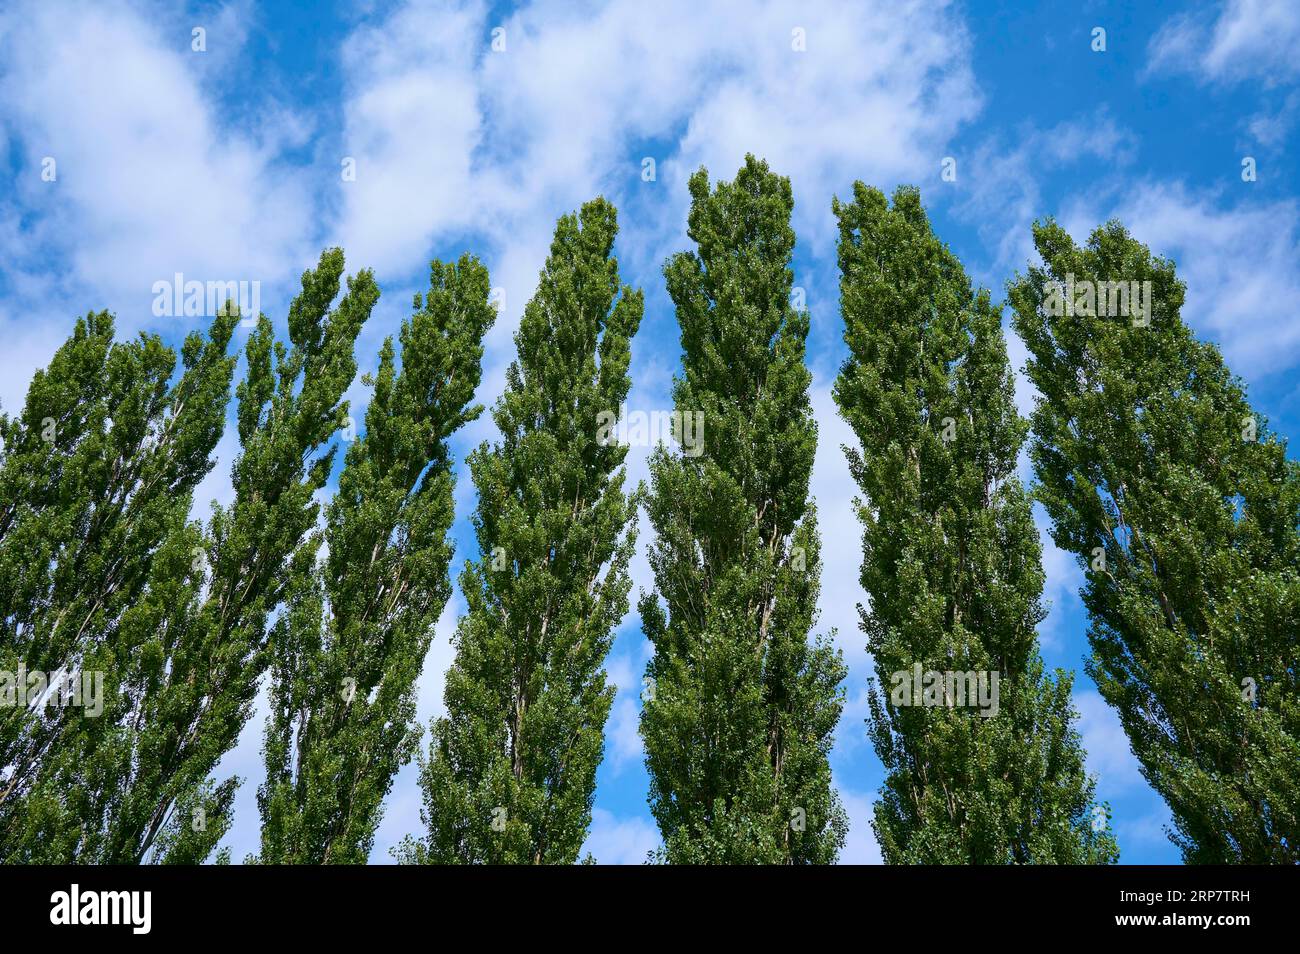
(1231, 42)
(1239, 259)
(860, 846)
(620, 841)
(1000, 189)
(150, 177)
(1106, 745)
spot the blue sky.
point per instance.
(224, 164)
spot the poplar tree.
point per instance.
(184, 657)
(349, 648)
(1183, 510)
(511, 770)
(739, 705)
(951, 563)
(95, 471)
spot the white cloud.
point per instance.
(851, 733)
(833, 488)
(1271, 128)
(449, 135)
(999, 188)
(1108, 753)
(216, 486)
(1062, 582)
(26, 348)
(877, 96)
(429, 688)
(411, 124)
(406, 798)
(623, 735)
(1240, 262)
(152, 178)
(626, 672)
(1241, 39)
(860, 847)
(245, 761)
(619, 841)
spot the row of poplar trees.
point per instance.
(1179, 503)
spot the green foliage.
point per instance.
(951, 560)
(183, 650)
(96, 474)
(511, 770)
(740, 706)
(1173, 494)
(349, 648)
(1184, 512)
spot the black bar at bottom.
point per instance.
(437, 906)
